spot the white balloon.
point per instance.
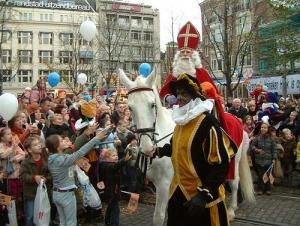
(82, 78)
(88, 30)
(9, 106)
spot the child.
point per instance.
(11, 156)
(3, 210)
(33, 169)
(133, 171)
(111, 172)
(61, 167)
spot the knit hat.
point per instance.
(87, 113)
(88, 109)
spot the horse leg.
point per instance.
(234, 185)
(162, 183)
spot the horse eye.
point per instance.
(153, 105)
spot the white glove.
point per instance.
(171, 99)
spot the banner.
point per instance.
(274, 84)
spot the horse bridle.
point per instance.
(145, 131)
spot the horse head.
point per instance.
(143, 101)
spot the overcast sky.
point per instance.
(182, 11)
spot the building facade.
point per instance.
(39, 37)
(229, 35)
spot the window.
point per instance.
(148, 36)
(67, 75)
(6, 75)
(217, 64)
(136, 50)
(5, 36)
(24, 76)
(66, 18)
(243, 25)
(46, 17)
(135, 35)
(25, 56)
(135, 66)
(123, 20)
(247, 59)
(148, 52)
(206, 50)
(6, 56)
(136, 22)
(43, 73)
(25, 16)
(65, 57)
(86, 60)
(25, 37)
(46, 38)
(148, 23)
(110, 18)
(45, 56)
(124, 34)
(66, 38)
(84, 42)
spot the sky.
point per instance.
(182, 11)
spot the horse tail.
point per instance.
(246, 181)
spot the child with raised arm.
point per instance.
(61, 167)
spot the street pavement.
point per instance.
(282, 208)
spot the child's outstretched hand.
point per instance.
(101, 134)
(128, 157)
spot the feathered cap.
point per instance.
(187, 82)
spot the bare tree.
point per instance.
(230, 29)
(112, 41)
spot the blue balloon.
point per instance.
(87, 98)
(53, 79)
(145, 69)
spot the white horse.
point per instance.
(154, 122)
(152, 118)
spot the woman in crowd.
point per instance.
(263, 150)
(288, 141)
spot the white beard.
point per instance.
(187, 65)
(184, 66)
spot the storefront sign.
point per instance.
(274, 84)
(135, 8)
(48, 5)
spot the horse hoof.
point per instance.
(231, 214)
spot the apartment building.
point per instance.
(42, 36)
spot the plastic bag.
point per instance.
(42, 208)
(278, 169)
(12, 214)
(90, 195)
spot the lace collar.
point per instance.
(182, 115)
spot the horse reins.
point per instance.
(145, 131)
